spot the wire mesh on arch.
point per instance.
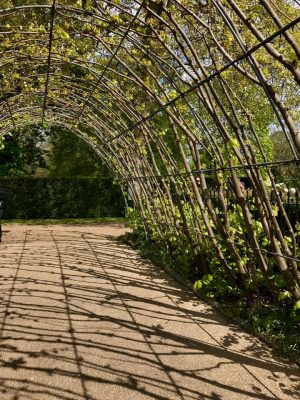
(187, 101)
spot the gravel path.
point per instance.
(83, 317)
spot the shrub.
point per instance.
(84, 197)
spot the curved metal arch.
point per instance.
(95, 123)
(171, 94)
(77, 93)
(93, 15)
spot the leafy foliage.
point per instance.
(23, 152)
(181, 98)
(37, 198)
(70, 156)
(288, 174)
(278, 319)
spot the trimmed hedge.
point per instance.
(39, 198)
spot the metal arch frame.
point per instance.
(197, 120)
(52, 17)
(212, 76)
(171, 101)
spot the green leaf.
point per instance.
(284, 295)
(207, 279)
(197, 285)
(278, 279)
(233, 142)
(296, 305)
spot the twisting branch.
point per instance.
(212, 76)
(52, 17)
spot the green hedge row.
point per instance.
(30, 198)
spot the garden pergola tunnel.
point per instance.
(181, 99)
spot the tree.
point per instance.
(289, 173)
(69, 155)
(23, 152)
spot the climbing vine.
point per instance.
(180, 98)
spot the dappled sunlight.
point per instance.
(194, 107)
(84, 317)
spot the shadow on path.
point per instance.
(83, 317)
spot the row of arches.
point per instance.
(178, 97)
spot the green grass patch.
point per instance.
(65, 221)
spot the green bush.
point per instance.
(84, 197)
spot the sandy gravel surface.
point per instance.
(83, 317)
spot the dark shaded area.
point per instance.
(23, 153)
(31, 198)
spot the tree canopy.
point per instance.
(23, 152)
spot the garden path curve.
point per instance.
(83, 317)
